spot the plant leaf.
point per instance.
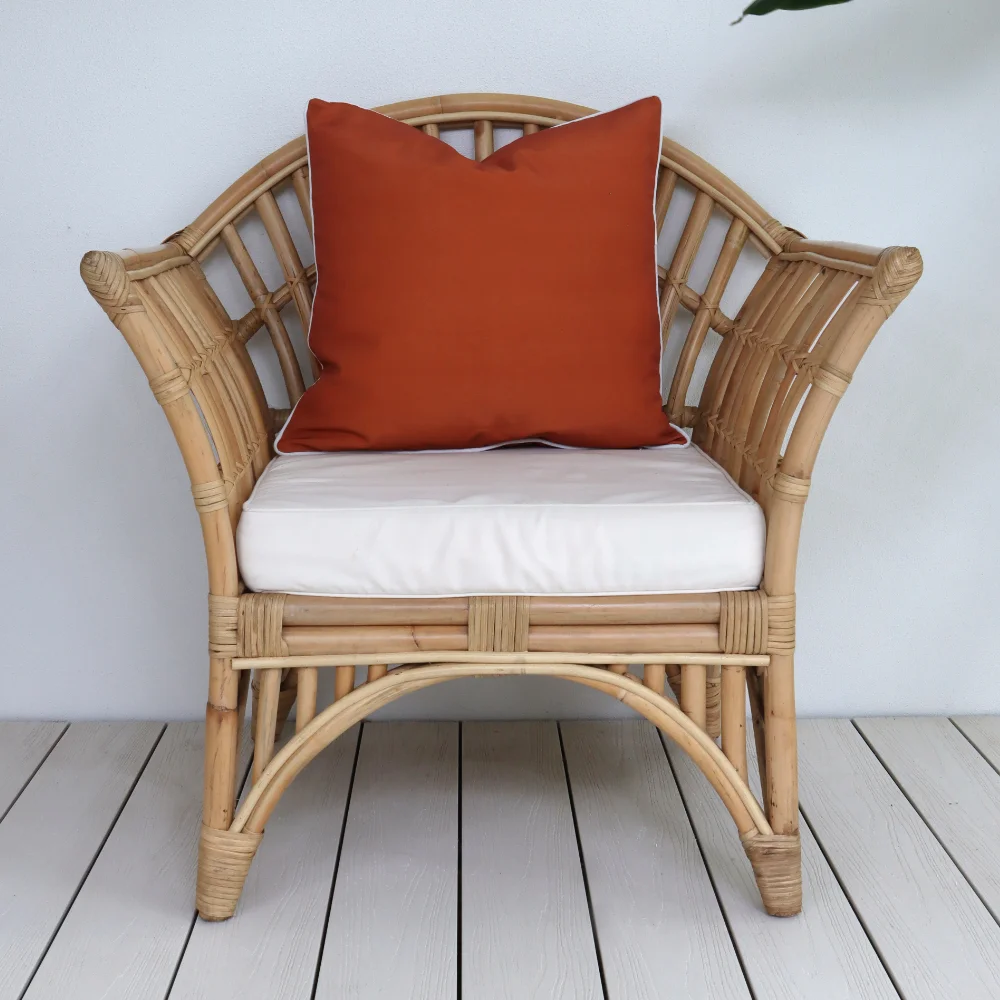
(759, 7)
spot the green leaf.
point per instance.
(759, 7)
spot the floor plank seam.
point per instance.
(975, 746)
(708, 871)
(583, 864)
(926, 822)
(28, 780)
(336, 864)
(93, 860)
(194, 915)
(854, 909)
(458, 887)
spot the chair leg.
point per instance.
(713, 701)
(343, 682)
(286, 699)
(776, 860)
(287, 694)
(306, 691)
(674, 679)
(654, 676)
(755, 693)
(693, 692)
(223, 857)
(267, 721)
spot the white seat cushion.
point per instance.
(523, 520)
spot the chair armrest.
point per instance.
(804, 326)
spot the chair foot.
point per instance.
(777, 866)
(223, 862)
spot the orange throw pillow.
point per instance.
(463, 304)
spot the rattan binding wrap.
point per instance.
(259, 625)
(498, 624)
(751, 621)
(223, 862)
(781, 624)
(776, 863)
(248, 625)
(223, 615)
(743, 621)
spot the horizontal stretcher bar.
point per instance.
(472, 657)
(405, 639)
(652, 609)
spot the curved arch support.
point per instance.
(341, 715)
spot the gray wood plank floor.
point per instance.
(494, 860)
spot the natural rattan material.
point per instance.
(781, 624)
(498, 624)
(777, 370)
(776, 862)
(743, 621)
(259, 625)
(223, 862)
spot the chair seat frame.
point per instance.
(781, 366)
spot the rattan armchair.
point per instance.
(783, 363)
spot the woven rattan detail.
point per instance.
(743, 621)
(790, 488)
(832, 380)
(781, 235)
(258, 625)
(222, 625)
(224, 859)
(210, 496)
(186, 239)
(898, 270)
(781, 624)
(108, 281)
(498, 624)
(753, 622)
(169, 386)
(776, 865)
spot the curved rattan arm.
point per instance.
(784, 366)
(200, 373)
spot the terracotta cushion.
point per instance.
(463, 304)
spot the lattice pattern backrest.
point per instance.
(257, 196)
(773, 374)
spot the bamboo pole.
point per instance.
(466, 656)
(734, 725)
(693, 677)
(267, 716)
(305, 706)
(343, 681)
(654, 676)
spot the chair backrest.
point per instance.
(811, 310)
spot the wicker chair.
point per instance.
(775, 379)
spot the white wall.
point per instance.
(874, 122)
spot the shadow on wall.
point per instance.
(916, 53)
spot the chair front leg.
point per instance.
(223, 857)
(776, 859)
(780, 747)
(222, 727)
